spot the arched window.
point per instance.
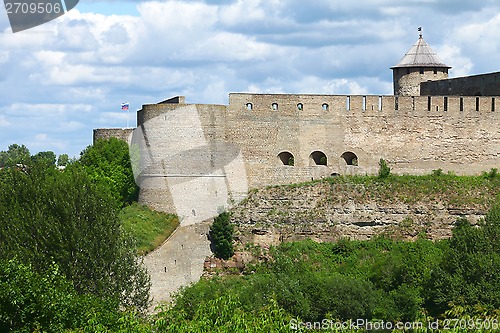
(300, 106)
(249, 106)
(325, 107)
(286, 158)
(318, 158)
(275, 106)
(350, 158)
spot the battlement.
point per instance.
(325, 105)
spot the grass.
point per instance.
(450, 189)
(150, 228)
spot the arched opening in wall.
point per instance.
(249, 106)
(318, 158)
(286, 158)
(350, 158)
(275, 106)
(300, 106)
(325, 107)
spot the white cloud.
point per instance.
(4, 121)
(62, 79)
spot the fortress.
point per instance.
(195, 158)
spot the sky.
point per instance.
(62, 79)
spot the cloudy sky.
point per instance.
(62, 79)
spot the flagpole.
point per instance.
(128, 111)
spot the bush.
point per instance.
(221, 235)
(64, 217)
(384, 170)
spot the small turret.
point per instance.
(420, 64)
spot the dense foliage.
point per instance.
(50, 216)
(380, 279)
(221, 235)
(107, 161)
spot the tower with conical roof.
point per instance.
(420, 64)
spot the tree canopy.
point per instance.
(66, 218)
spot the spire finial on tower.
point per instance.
(420, 32)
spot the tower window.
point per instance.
(275, 106)
(300, 106)
(348, 103)
(249, 106)
(461, 103)
(445, 103)
(325, 107)
(477, 103)
(435, 71)
(493, 104)
(421, 71)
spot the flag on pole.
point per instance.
(419, 28)
(125, 106)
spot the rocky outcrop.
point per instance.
(327, 212)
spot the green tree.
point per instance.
(64, 217)
(63, 160)
(469, 275)
(16, 154)
(221, 235)
(384, 170)
(108, 161)
(48, 157)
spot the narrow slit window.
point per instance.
(428, 103)
(477, 103)
(364, 103)
(348, 103)
(493, 104)
(380, 103)
(445, 102)
(461, 103)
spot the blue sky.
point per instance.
(62, 79)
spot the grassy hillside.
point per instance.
(450, 189)
(150, 228)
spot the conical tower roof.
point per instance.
(421, 55)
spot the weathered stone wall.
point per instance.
(475, 85)
(328, 211)
(119, 133)
(418, 137)
(199, 158)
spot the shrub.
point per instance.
(384, 170)
(221, 235)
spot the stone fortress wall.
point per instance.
(414, 134)
(199, 157)
(323, 134)
(474, 85)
